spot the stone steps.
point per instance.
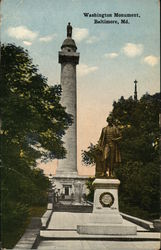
(73, 235)
(73, 208)
(61, 234)
(98, 245)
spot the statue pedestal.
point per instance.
(106, 196)
(106, 219)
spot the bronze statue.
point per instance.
(107, 150)
(69, 30)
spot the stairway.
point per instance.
(58, 207)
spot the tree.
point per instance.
(33, 124)
(139, 169)
(31, 111)
(33, 120)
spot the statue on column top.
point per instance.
(69, 30)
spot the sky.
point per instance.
(112, 55)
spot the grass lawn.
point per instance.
(12, 236)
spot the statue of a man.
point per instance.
(108, 150)
(69, 30)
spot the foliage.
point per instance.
(139, 188)
(33, 124)
(139, 169)
(11, 237)
(15, 214)
(31, 111)
(90, 188)
(88, 156)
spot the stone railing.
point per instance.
(46, 216)
(143, 223)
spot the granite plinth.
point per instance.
(106, 219)
(111, 218)
(103, 186)
(107, 229)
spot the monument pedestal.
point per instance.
(106, 218)
(70, 186)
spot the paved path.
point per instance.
(97, 245)
(61, 234)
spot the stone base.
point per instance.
(65, 184)
(103, 186)
(107, 229)
(63, 174)
(106, 219)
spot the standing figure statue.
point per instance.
(69, 30)
(107, 150)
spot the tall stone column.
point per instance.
(69, 58)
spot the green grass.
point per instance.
(37, 211)
(12, 236)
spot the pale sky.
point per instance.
(112, 56)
